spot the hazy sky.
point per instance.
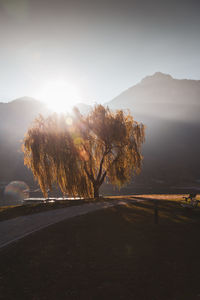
(100, 47)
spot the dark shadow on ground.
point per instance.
(117, 253)
(172, 210)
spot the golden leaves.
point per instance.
(78, 154)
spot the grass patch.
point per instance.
(10, 212)
(117, 253)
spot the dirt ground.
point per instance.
(117, 253)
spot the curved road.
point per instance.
(17, 228)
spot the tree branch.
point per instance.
(102, 178)
(90, 161)
(90, 176)
(101, 164)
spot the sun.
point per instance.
(60, 96)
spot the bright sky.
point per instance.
(95, 48)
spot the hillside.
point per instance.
(170, 110)
(162, 96)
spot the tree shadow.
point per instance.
(166, 210)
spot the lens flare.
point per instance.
(16, 192)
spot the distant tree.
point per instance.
(79, 152)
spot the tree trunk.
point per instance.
(96, 190)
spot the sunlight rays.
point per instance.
(60, 96)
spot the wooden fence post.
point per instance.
(156, 211)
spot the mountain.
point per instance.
(160, 95)
(15, 118)
(170, 109)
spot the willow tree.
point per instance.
(78, 153)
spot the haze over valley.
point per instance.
(168, 107)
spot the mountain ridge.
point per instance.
(161, 95)
(157, 76)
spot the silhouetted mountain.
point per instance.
(170, 110)
(15, 118)
(162, 96)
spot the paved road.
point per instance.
(15, 229)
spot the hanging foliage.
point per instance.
(79, 152)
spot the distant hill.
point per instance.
(170, 109)
(15, 118)
(162, 96)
